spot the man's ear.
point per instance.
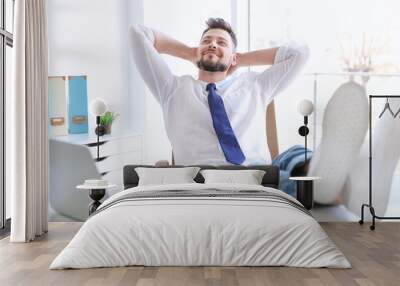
(234, 59)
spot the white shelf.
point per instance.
(87, 138)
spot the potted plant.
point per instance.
(107, 119)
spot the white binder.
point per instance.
(58, 116)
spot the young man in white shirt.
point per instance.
(191, 125)
(219, 118)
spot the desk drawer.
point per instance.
(123, 145)
(118, 161)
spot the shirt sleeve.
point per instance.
(288, 62)
(150, 64)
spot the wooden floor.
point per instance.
(375, 257)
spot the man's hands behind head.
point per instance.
(192, 55)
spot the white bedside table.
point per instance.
(96, 193)
(304, 192)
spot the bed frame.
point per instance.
(270, 179)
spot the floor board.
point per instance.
(374, 255)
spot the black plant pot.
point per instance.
(100, 130)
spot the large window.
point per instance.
(6, 43)
(341, 35)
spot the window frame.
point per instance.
(6, 39)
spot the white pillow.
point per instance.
(164, 176)
(248, 177)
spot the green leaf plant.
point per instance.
(108, 118)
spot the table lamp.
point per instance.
(97, 108)
(305, 108)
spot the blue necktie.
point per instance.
(222, 126)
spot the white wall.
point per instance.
(136, 97)
(90, 38)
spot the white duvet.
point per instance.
(200, 231)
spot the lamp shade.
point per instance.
(305, 107)
(97, 107)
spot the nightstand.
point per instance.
(305, 190)
(96, 194)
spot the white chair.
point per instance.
(70, 165)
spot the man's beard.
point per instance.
(211, 67)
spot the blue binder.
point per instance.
(77, 105)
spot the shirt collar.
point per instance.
(220, 84)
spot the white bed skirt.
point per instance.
(200, 232)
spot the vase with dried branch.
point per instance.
(366, 53)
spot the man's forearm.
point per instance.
(167, 45)
(258, 57)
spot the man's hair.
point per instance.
(219, 23)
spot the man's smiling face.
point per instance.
(216, 51)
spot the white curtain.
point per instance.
(27, 142)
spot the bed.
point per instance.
(197, 224)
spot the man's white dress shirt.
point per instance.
(184, 103)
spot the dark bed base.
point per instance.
(270, 179)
